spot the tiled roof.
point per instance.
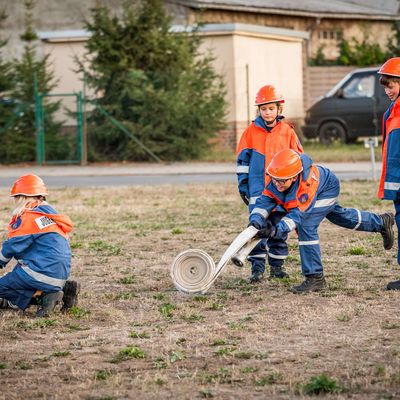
(375, 9)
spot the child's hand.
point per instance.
(268, 231)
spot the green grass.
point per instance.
(104, 248)
(139, 335)
(61, 353)
(176, 356)
(319, 153)
(357, 251)
(127, 280)
(193, 318)
(128, 353)
(160, 363)
(104, 374)
(41, 323)
(166, 310)
(340, 152)
(269, 379)
(79, 312)
(321, 384)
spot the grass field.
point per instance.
(334, 153)
(133, 336)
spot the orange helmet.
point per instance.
(285, 164)
(28, 185)
(268, 94)
(391, 67)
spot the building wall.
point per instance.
(62, 56)
(318, 80)
(377, 31)
(245, 74)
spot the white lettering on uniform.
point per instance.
(44, 222)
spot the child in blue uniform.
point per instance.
(38, 240)
(309, 193)
(389, 187)
(266, 135)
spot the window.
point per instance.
(329, 35)
(361, 86)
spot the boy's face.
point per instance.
(269, 112)
(283, 184)
(392, 90)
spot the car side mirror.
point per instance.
(340, 93)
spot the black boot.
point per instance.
(277, 272)
(387, 230)
(394, 285)
(256, 277)
(48, 303)
(312, 283)
(3, 303)
(70, 298)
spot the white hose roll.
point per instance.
(193, 271)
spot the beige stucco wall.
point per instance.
(237, 50)
(62, 58)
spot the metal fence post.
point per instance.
(39, 123)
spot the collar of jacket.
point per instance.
(260, 123)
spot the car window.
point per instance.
(359, 86)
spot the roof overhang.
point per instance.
(286, 11)
(203, 30)
(253, 30)
(64, 36)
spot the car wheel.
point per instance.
(331, 132)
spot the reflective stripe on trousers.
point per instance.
(41, 277)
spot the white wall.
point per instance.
(271, 60)
(274, 62)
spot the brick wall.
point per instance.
(318, 80)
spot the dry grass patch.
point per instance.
(134, 336)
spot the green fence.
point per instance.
(70, 136)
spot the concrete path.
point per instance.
(154, 174)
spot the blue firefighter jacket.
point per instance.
(38, 240)
(314, 184)
(255, 150)
(389, 187)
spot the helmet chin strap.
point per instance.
(270, 122)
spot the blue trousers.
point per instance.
(16, 290)
(276, 249)
(18, 287)
(327, 207)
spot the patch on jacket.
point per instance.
(44, 222)
(303, 198)
(16, 224)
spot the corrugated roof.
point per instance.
(368, 9)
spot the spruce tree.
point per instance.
(153, 81)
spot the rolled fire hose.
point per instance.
(193, 271)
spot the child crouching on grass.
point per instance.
(38, 240)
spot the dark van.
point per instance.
(352, 108)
